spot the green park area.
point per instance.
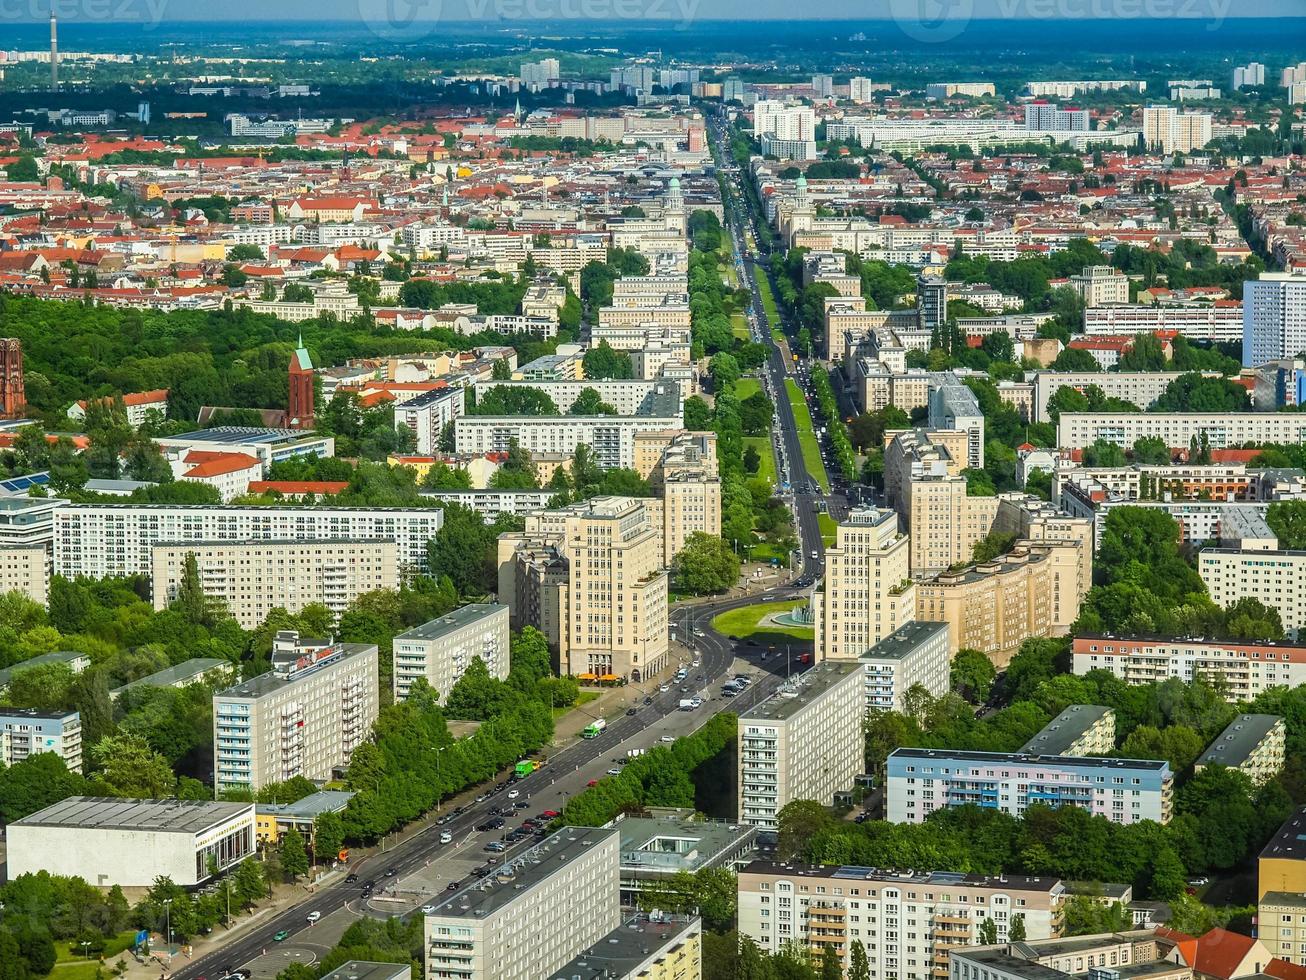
(807, 435)
(828, 526)
(752, 623)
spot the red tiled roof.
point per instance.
(217, 464)
(1220, 951)
(298, 486)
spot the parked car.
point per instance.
(428, 909)
(314, 916)
(446, 838)
(454, 886)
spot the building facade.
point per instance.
(1252, 744)
(915, 654)
(920, 781)
(26, 731)
(522, 923)
(867, 592)
(802, 743)
(906, 921)
(1274, 318)
(441, 650)
(251, 580)
(304, 717)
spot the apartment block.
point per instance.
(1144, 954)
(1281, 866)
(103, 540)
(1274, 318)
(1167, 129)
(643, 947)
(1242, 668)
(1081, 729)
(802, 743)
(1219, 430)
(1221, 321)
(867, 592)
(1276, 578)
(440, 651)
(906, 921)
(915, 654)
(304, 717)
(251, 580)
(1100, 285)
(1142, 388)
(1281, 925)
(521, 923)
(25, 568)
(26, 731)
(1252, 744)
(954, 407)
(591, 577)
(611, 437)
(920, 781)
(995, 606)
(428, 414)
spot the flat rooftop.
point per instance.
(1004, 963)
(369, 970)
(111, 813)
(178, 674)
(904, 640)
(802, 691)
(460, 617)
(669, 844)
(311, 806)
(1289, 844)
(1234, 746)
(1072, 761)
(69, 657)
(853, 872)
(263, 684)
(522, 873)
(1058, 735)
(238, 435)
(626, 948)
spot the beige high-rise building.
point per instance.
(304, 717)
(1101, 285)
(905, 920)
(25, 568)
(652, 449)
(440, 651)
(533, 915)
(995, 606)
(1167, 129)
(645, 947)
(802, 743)
(251, 578)
(867, 592)
(591, 576)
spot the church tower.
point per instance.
(300, 407)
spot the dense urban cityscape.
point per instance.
(619, 498)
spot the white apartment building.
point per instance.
(1243, 668)
(26, 731)
(1140, 387)
(1276, 578)
(251, 579)
(804, 742)
(1222, 321)
(1066, 90)
(1167, 129)
(915, 654)
(440, 651)
(132, 842)
(628, 397)
(1041, 116)
(867, 592)
(906, 921)
(533, 915)
(1274, 318)
(947, 90)
(1247, 76)
(304, 717)
(785, 131)
(1252, 744)
(428, 414)
(1101, 285)
(1076, 430)
(102, 540)
(1080, 729)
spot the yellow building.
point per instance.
(669, 947)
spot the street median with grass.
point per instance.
(812, 461)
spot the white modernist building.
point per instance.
(1274, 318)
(1076, 430)
(110, 841)
(440, 651)
(918, 653)
(102, 540)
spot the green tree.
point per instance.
(1151, 450)
(590, 402)
(328, 836)
(603, 362)
(1104, 453)
(831, 965)
(129, 767)
(988, 932)
(859, 967)
(706, 565)
(972, 675)
(294, 858)
(1016, 933)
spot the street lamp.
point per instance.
(438, 750)
(167, 907)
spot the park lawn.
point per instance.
(766, 469)
(828, 525)
(78, 970)
(746, 387)
(746, 623)
(739, 326)
(585, 698)
(67, 952)
(807, 435)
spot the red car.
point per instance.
(592, 782)
(550, 814)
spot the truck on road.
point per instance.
(594, 729)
